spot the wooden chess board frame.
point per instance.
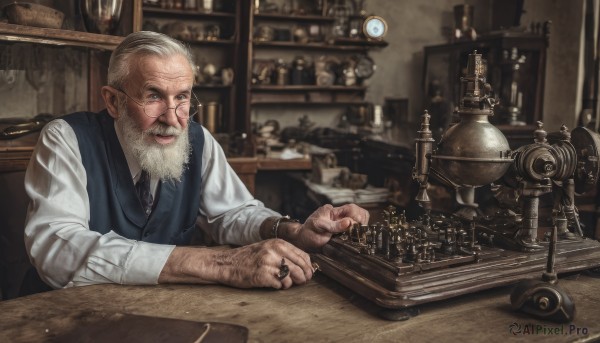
(398, 285)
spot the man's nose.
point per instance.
(169, 117)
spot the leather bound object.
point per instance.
(24, 13)
(123, 327)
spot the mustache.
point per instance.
(163, 130)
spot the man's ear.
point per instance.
(109, 95)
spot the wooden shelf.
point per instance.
(214, 87)
(298, 18)
(220, 42)
(360, 42)
(161, 12)
(309, 103)
(304, 88)
(367, 43)
(311, 46)
(30, 34)
(253, 164)
(307, 95)
(265, 163)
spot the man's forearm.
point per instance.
(195, 265)
(274, 227)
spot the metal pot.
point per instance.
(101, 16)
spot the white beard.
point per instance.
(164, 161)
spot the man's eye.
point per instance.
(182, 97)
(153, 97)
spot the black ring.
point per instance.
(284, 270)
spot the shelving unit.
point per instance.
(235, 48)
(445, 64)
(256, 96)
(221, 52)
(98, 46)
(238, 49)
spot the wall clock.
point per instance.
(374, 27)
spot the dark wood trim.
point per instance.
(29, 34)
(297, 18)
(170, 13)
(278, 164)
(311, 46)
(304, 88)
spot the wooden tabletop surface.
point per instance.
(320, 311)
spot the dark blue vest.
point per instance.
(114, 204)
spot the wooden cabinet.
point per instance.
(515, 68)
(94, 48)
(292, 59)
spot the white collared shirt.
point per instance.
(66, 252)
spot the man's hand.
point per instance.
(326, 221)
(259, 265)
(255, 265)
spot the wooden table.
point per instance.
(320, 311)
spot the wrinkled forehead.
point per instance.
(161, 70)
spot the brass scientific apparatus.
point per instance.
(399, 264)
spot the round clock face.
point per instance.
(374, 27)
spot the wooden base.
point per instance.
(397, 285)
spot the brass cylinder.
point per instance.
(199, 116)
(209, 115)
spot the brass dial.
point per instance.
(375, 27)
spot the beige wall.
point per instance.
(413, 24)
(562, 98)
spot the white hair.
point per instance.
(143, 43)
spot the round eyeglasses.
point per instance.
(155, 108)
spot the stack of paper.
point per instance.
(371, 194)
(335, 195)
(339, 196)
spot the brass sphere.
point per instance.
(472, 152)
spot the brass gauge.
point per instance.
(374, 27)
